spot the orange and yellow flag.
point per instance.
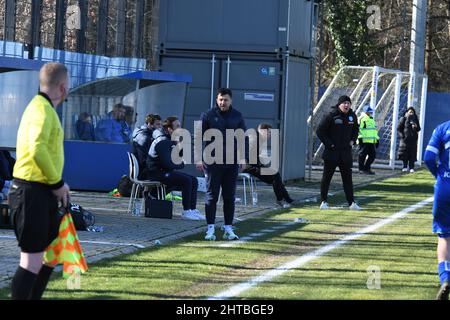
(66, 249)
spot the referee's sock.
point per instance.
(22, 284)
(41, 282)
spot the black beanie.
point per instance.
(343, 99)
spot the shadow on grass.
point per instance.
(97, 294)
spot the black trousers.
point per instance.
(411, 164)
(346, 174)
(367, 153)
(180, 180)
(217, 176)
(275, 180)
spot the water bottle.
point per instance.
(95, 229)
(137, 208)
(254, 198)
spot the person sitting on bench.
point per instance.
(161, 168)
(263, 134)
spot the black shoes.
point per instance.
(443, 292)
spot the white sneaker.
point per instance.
(210, 236)
(324, 205)
(411, 171)
(198, 214)
(405, 170)
(229, 234)
(188, 214)
(354, 207)
(284, 204)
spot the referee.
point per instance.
(37, 187)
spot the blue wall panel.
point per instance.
(94, 166)
(438, 111)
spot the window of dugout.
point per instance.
(108, 110)
(99, 118)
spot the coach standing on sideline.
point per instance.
(222, 117)
(37, 186)
(338, 131)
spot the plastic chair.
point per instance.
(137, 184)
(250, 182)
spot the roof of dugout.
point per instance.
(123, 85)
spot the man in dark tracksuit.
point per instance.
(142, 140)
(162, 168)
(262, 136)
(222, 117)
(338, 131)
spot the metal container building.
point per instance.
(261, 49)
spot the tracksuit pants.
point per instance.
(220, 176)
(346, 174)
(275, 180)
(367, 153)
(177, 180)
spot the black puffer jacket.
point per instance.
(408, 133)
(142, 140)
(159, 160)
(336, 130)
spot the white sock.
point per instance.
(228, 228)
(210, 226)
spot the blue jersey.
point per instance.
(437, 159)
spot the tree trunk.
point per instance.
(386, 39)
(429, 44)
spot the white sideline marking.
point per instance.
(95, 242)
(8, 237)
(106, 209)
(234, 291)
(115, 244)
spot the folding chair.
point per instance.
(137, 184)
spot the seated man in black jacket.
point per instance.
(262, 137)
(142, 139)
(161, 168)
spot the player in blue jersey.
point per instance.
(437, 159)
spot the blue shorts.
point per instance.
(441, 217)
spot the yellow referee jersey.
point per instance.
(40, 150)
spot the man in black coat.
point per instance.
(262, 136)
(161, 167)
(223, 175)
(142, 140)
(338, 131)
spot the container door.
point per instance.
(256, 89)
(205, 81)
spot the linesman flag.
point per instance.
(66, 249)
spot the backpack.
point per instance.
(6, 165)
(82, 218)
(124, 186)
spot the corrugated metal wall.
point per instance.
(295, 130)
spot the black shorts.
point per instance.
(34, 216)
